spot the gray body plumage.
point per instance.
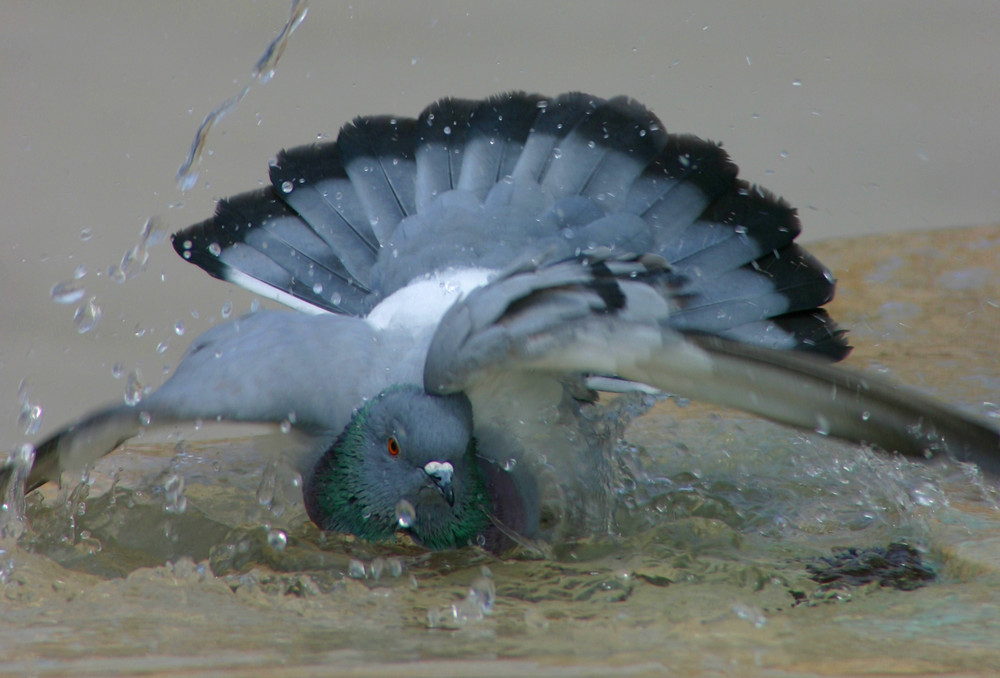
(509, 250)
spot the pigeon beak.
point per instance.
(440, 474)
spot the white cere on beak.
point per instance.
(439, 470)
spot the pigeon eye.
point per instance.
(393, 446)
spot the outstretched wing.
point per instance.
(267, 367)
(613, 316)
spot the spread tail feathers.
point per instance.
(481, 184)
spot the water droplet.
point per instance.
(277, 539)
(406, 515)
(335, 298)
(117, 370)
(356, 569)
(68, 292)
(227, 309)
(87, 316)
(215, 249)
(17, 464)
(510, 465)
(866, 415)
(796, 83)
(134, 261)
(134, 389)
(377, 568)
(173, 490)
(145, 418)
(318, 288)
(29, 420)
(86, 235)
(925, 495)
(268, 483)
(162, 347)
(750, 613)
(447, 130)
(179, 328)
(483, 592)
(478, 602)
(287, 187)
(286, 426)
(822, 425)
(395, 567)
(556, 152)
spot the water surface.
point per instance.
(171, 558)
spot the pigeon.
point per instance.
(462, 288)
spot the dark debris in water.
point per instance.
(899, 566)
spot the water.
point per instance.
(187, 558)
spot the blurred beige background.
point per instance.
(870, 117)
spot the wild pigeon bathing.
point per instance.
(464, 284)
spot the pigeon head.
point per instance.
(406, 461)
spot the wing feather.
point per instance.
(612, 318)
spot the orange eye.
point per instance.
(393, 446)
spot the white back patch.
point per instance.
(425, 300)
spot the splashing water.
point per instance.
(70, 291)
(279, 489)
(477, 604)
(134, 388)
(406, 514)
(173, 489)
(87, 316)
(29, 419)
(134, 261)
(277, 539)
(264, 69)
(14, 470)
